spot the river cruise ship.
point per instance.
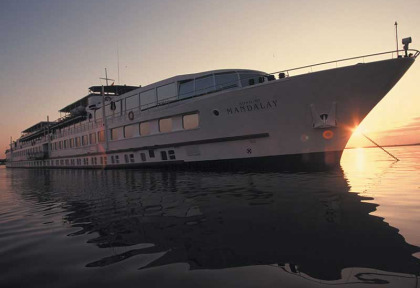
(301, 117)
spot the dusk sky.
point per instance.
(51, 50)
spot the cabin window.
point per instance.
(148, 99)
(171, 154)
(204, 85)
(165, 125)
(77, 141)
(131, 131)
(163, 155)
(60, 145)
(226, 81)
(105, 160)
(152, 153)
(92, 137)
(65, 144)
(166, 93)
(71, 142)
(85, 140)
(186, 89)
(132, 158)
(144, 128)
(143, 157)
(116, 133)
(101, 136)
(126, 158)
(117, 159)
(190, 121)
(132, 102)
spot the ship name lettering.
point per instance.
(250, 107)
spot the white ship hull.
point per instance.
(299, 121)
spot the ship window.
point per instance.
(105, 160)
(65, 144)
(148, 99)
(112, 160)
(143, 157)
(131, 131)
(67, 162)
(101, 136)
(171, 154)
(163, 155)
(144, 128)
(166, 93)
(60, 145)
(226, 80)
(190, 121)
(102, 160)
(71, 142)
(204, 85)
(92, 137)
(132, 102)
(126, 158)
(85, 140)
(117, 159)
(132, 158)
(116, 133)
(165, 125)
(186, 89)
(152, 153)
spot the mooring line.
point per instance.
(396, 159)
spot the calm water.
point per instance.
(356, 227)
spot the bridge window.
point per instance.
(186, 89)
(166, 93)
(204, 85)
(226, 81)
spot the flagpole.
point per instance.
(396, 36)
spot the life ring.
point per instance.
(131, 115)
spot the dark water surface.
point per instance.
(356, 227)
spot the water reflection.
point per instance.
(307, 224)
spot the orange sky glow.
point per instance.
(52, 51)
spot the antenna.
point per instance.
(396, 34)
(118, 63)
(106, 78)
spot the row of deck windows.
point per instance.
(189, 121)
(101, 160)
(92, 138)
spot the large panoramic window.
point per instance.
(92, 139)
(226, 80)
(144, 128)
(166, 93)
(204, 85)
(190, 121)
(165, 125)
(116, 133)
(148, 99)
(85, 140)
(132, 102)
(131, 130)
(186, 89)
(101, 136)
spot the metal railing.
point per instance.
(414, 54)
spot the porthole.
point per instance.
(216, 112)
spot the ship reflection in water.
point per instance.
(200, 229)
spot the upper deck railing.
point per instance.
(413, 54)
